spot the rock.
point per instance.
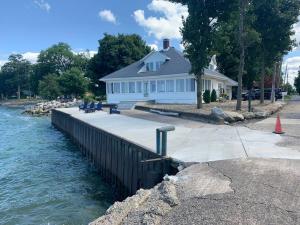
(262, 115)
(217, 112)
(233, 116)
(44, 108)
(227, 116)
(249, 115)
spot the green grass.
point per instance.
(287, 97)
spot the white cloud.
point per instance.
(2, 62)
(293, 64)
(153, 46)
(165, 26)
(108, 16)
(42, 4)
(31, 56)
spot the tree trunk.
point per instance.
(262, 81)
(273, 83)
(199, 91)
(19, 92)
(242, 54)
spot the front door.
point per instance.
(146, 89)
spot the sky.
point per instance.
(29, 26)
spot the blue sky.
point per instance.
(33, 25)
(28, 26)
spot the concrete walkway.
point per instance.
(192, 143)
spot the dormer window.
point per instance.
(153, 66)
(150, 66)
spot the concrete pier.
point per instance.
(125, 165)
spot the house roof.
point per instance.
(176, 64)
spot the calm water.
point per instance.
(43, 177)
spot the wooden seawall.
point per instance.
(124, 165)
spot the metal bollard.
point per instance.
(161, 139)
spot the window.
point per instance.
(158, 64)
(152, 86)
(161, 86)
(150, 66)
(190, 85)
(170, 86)
(124, 87)
(138, 87)
(109, 87)
(206, 85)
(116, 88)
(131, 87)
(180, 85)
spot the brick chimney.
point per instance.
(166, 43)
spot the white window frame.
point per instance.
(139, 87)
(161, 86)
(117, 87)
(131, 87)
(179, 88)
(190, 85)
(170, 86)
(153, 84)
(124, 87)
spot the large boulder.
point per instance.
(228, 116)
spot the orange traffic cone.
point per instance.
(278, 129)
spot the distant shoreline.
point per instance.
(14, 103)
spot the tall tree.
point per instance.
(114, 53)
(16, 71)
(297, 83)
(73, 83)
(56, 60)
(242, 10)
(274, 22)
(198, 34)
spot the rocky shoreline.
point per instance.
(44, 108)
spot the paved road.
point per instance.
(231, 192)
(290, 120)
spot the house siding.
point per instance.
(186, 96)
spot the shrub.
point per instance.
(206, 96)
(213, 97)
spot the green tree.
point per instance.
(274, 22)
(15, 73)
(198, 33)
(236, 46)
(114, 53)
(49, 87)
(289, 88)
(206, 96)
(56, 60)
(73, 82)
(213, 97)
(297, 83)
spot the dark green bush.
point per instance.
(213, 97)
(206, 96)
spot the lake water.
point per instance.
(44, 179)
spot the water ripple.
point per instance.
(43, 177)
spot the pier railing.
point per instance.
(123, 164)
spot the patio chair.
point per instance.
(114, 110)
(83, 106)
(99, 106)
(90, 108)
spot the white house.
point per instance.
(162, 76)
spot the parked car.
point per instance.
(268, 93)
(246, 94)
